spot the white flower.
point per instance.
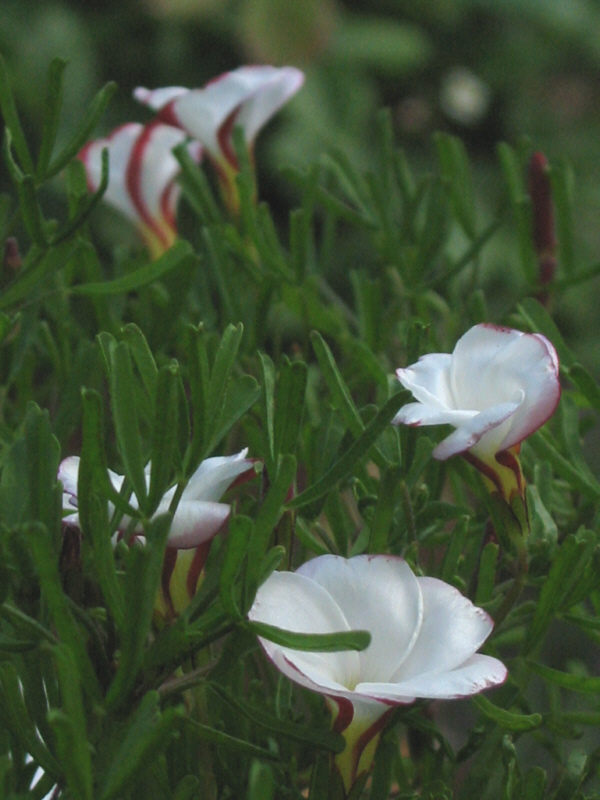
(424, 641)
(496, 388)
(198, 516)
(248, 96)
(142, 172)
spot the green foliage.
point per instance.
(255, 333)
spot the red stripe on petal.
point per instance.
(133, 183)
(169, 562)
(196, 567)
(224, 138)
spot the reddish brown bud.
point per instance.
(544, 239)
(12, 257)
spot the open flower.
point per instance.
(496, 388)
(248, 97)
(142, 172)
(424, 641)
(198, 518)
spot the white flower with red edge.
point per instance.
(248, 96)
(424, 641)
(142, 174)
(197, 519)
(496, 388)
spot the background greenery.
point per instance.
(387, 254)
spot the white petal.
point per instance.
(498, 386)
(255, 93)
(493, 365)
(215, 475)
(296, 603)
(476, 674)
(452, 630)
(120, 146)
(429, 380)
(422, 414)
(195, 522)
(68, 474)
(158, 98)
(487, 427)
(158, 167)
(375, 593)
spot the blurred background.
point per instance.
(486, 71)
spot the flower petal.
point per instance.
(452, 630)
(485, 424)
(376, 593)
(215, 475)
(296, 603)
(68, 475)
(429, 380)
(120, 144)
(254, 93)
(476, 674)
(195, 521)
(493, 365)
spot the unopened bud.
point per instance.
(544, 239)
(12, 257)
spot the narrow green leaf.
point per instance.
(54, 94)
(336, 385)
(487, 573)
(268, 406)
(567, 569)
(226, 741)
(582, 482)
(455, 170)
(164, 439)
(221, 369)
(384, 510)
(146, 736)
(124, 409)
(199, 377)
(84, 130)
(540, 321)
(521, 209)
(240, 396)
(357, 450)
(41, 264)
(455, 549)
(181, 253)
(69, 633)
(319, 781)
(142, 584)
(268, 516)
(507, 720)
(15, 717)
(240, 533)
(561, 179)
(11, 119)
(289, 405)
(142, 356)
(586, 384)
(70, 726)
(196, 186)
(10, 645)
(313, 642)
(322, 739)
(87, 207)
(575, 683)
(30, 209)
(573, 776)
(534, 784)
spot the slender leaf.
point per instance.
(313, 642)
(180, 254)
(506, 719)
(359, 448)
